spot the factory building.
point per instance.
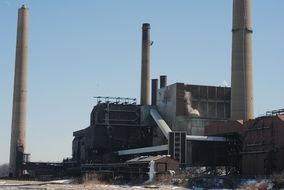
(262, 145)
(176, 120)
(119, 124)
(119, 129)
(197, 125)
(114, 125)
(179, 111)
(191, 107)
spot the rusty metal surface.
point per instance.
(263, 143)
(222, 128)
(263, 146)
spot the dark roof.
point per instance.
(221, 128)
(79, 132)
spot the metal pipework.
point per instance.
(154, 91)
(145, 65)
(206, 138)
(163, 81)
(143, 150)
(242, 71)
(18, 132)
(166, 130)
(161, 123)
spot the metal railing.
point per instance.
(115, 99)
(275, 112)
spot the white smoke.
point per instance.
(187, 101)
(152, 172)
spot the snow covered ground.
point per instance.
(65, 185)
(247, 184)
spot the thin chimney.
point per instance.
(145, 65)
(154, 91)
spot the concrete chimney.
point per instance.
(18, 132)
(145, 65)
(163, 81)
(242, 76)
(154, 91)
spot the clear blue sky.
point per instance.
(80, 49)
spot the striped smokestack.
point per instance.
(242, 76)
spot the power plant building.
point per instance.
(197, 125)
(189, 108)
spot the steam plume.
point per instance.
(187, 101)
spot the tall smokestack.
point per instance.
(145, 65)
(242, 76)
(18, 132)
(154, 91)
(163, 81)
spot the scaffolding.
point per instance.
(117, 100)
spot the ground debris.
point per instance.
(278, 180)
(256, 184)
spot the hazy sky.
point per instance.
(84, 48)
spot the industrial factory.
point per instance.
(174, 126)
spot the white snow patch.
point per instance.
(63, 181)
(2, 182)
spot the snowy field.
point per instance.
(64, 185)
(67, 184)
